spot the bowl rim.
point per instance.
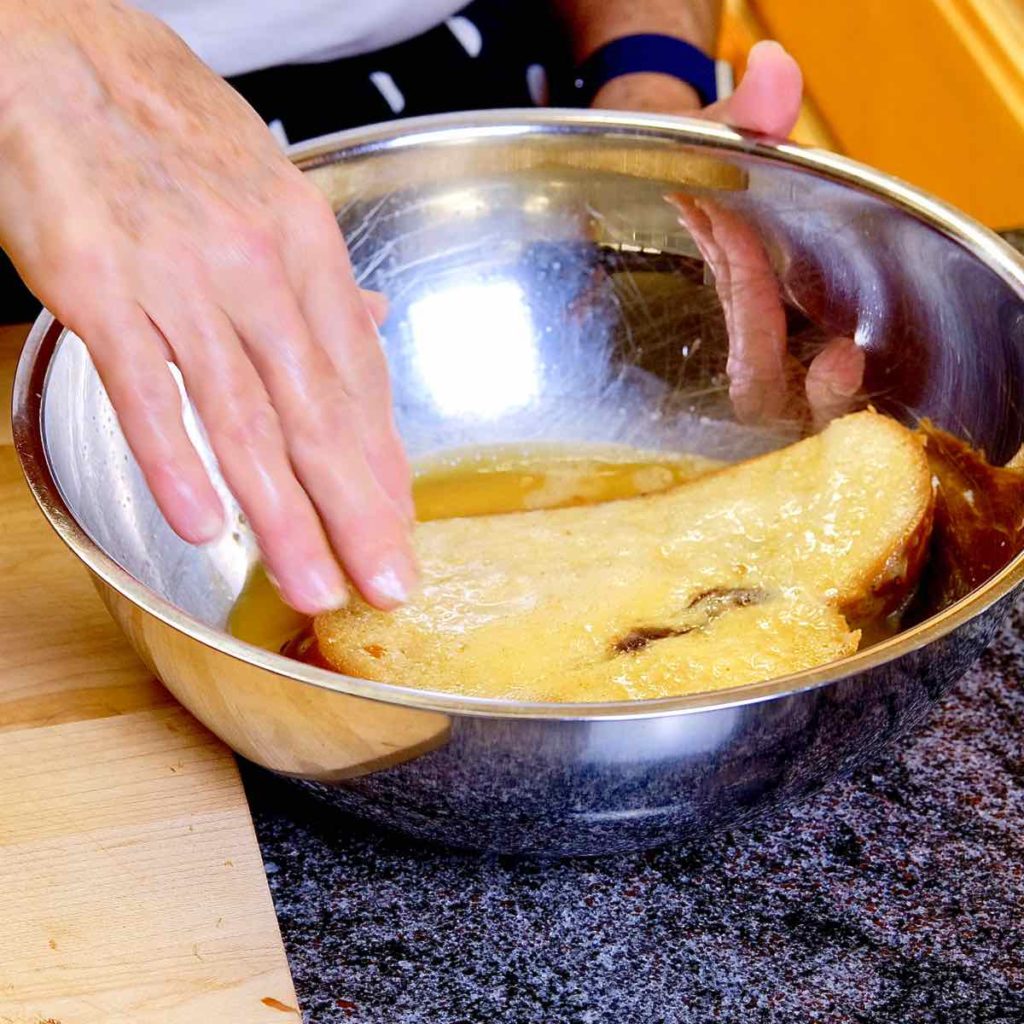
(47, 333)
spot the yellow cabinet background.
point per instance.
(931, 91)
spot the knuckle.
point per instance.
(322, 220)
(369, 526)
(371, 368)
(75, 264)
(274, 525)
(259, 247)
(311, 218)
(77, 279)
(179, 259)
(248, 427)
(248, 244)
(366, 372)
(312, 441)
(139, 392)
(162, 467)
(289, 527)
(157, 395)
(321, 429)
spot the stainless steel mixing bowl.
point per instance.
(543, 288)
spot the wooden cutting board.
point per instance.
(131, 886)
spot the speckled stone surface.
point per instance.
(896, 896)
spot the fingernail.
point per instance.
(200, 515)
(324, 588)
(768, 44)
(394, 580)
(208, 526)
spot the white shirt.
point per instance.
(233, 36)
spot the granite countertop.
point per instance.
(895, 896)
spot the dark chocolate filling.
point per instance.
(708, 606)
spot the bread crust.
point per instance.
(639, 597)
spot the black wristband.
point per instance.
(646, 52)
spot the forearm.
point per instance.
(592, 23)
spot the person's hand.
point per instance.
(762, 373)
(764, 379)
(767, 99)
(151, 210)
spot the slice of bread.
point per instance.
(751, 572)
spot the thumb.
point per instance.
(769, 95)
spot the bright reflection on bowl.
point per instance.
(473, 348)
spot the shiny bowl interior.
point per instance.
(544, 288)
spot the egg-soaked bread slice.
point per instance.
(751, 572)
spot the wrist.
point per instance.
(648, 91)
(657, 57)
